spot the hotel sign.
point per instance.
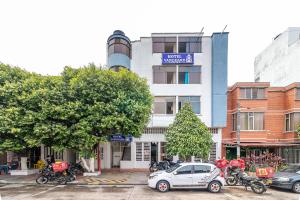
(120, 138)
(177, 58)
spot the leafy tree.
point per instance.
(13, 128)
(75, 110)
(188, 136)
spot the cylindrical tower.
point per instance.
(118, 51)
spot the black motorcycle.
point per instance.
(242, 178)
(163, 165)
(76, 168)
(48, 175)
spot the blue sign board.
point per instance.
(177, 58)
(120, 138)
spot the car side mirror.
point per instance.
(175, 173)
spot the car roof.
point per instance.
(196, 163)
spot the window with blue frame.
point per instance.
(193, 100)
(189, 75)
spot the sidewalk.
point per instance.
(106, 178)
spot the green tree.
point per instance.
(75, 110)
(13, 128)
(188, 136)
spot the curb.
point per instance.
(100, 184)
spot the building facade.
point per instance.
(279, 63)
(269, 118)
(179, 68)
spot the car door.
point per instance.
(201, 175)
(183, 177)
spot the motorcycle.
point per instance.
(256, 184)
(48, 175)
(77, 168)
(163, 165)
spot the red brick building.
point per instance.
(269, 119)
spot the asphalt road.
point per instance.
(93, 192)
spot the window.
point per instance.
(126, 150)
(298, 93)
(193, 100)
(292, 121)
(139, 150)
(234, 122)
(201, 169)
(185, 170)
(189, 74)
(143, 151)
(164, 105)
(119, 45)
(249, 121)
(164, 75)
(189, 44)
(164, 45)
(252, 93)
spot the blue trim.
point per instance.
(219, 79)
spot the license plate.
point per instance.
(269, 182)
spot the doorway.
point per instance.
(116, 154)
(154, 151)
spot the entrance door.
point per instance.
(116, 154)
(154, 152)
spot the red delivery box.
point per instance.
(267, 172)
(60, 166)
(222, 163)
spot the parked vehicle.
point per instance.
(52, 173)
(188, 175)
(76, 168)
(163, 165)
(256, 184)
(288, 178)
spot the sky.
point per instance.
(43, 36)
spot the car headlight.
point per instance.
(152, 177)
(283, 179)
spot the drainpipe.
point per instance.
(238, 129)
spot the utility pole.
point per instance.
(238, 130)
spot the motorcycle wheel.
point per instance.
(41, 180)
(62, 181)
(231, 181)
(258, 187)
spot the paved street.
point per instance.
(91, 192)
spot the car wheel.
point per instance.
(296, 187)
(214, 187)
(163, 186)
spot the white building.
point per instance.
(179, 67)
(279, 63)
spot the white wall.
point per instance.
(142, 62)
(279, 63)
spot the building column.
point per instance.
(158, 151)
(133, 154)
(107, 156)
(42, 152)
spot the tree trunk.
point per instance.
(85, 164)
(92, 164)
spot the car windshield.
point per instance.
(173, 168)
(291, 169)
